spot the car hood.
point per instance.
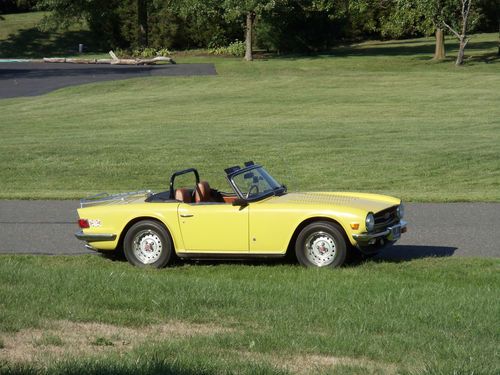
(362, 201)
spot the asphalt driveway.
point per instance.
(30, 79)
(452, 229)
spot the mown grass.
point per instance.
(49, 340)
(376, 117)
(436, 315)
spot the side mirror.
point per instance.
(240, 202)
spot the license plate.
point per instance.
(395, 232)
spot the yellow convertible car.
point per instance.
(258, 218)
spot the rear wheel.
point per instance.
(321, 244)
(148, 243)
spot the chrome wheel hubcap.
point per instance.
(147, 246)
(320, 249)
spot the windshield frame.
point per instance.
(230, 176)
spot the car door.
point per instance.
(213, 227)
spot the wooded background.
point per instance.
(274, 25)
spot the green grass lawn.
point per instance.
(435, 316)
(377, 116)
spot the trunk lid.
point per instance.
(113, 199)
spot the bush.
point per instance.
(163, 52)
(237, 48)
(146, 52)
(143, 53)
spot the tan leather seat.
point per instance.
(203, 192)
(183, 195)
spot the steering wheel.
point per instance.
(253, 187)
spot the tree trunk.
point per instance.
(142, 23)
(461, 50)
(440, 52)
(249, 36)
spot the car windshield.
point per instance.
(257, 183)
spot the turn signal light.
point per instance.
(83, 223)
(355, 226)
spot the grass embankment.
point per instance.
(91, 315)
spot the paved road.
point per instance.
(463, 229)
(29, 79)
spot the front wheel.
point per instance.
(321, 244)
(148, 243)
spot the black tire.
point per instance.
(325, 236)
(148, 238)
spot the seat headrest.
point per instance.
(183, 195)
(203, 192)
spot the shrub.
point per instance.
(237, 48)
(144, 53)
(163, 52)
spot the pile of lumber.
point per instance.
(113, 61)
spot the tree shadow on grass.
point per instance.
(489, 58)
(396, 48)
(402, 49)
(34, 43)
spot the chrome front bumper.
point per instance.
(391, 234)
(95, 237)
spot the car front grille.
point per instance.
(385, 218)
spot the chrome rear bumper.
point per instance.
(95, 237)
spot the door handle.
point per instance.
(186, 215)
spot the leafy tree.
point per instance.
(466, 14)
(198, 23)
(250, 9)
(287, 25)
(305, 25)
(14, 6)
(101, 16)
(142, 22)
(439, 15)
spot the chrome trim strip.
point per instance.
(228, 255)
(95, 237)
(370, 236)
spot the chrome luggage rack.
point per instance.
(106, 198)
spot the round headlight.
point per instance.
(400, 211)
(370, 222)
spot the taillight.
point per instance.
(83, 223)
